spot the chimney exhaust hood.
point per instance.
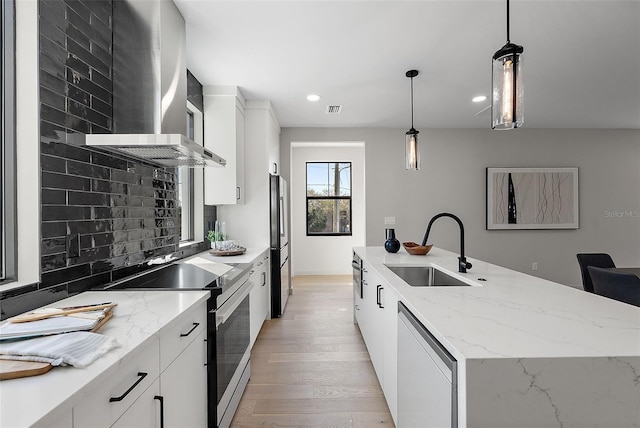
(150, 87)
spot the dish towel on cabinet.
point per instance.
(77, 349)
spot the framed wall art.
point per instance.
(532, 198)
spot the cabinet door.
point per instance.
(255, 306)
(183, 386)
(109, 400)
(259, 297)
(390, 348)
(224, 135)
(371, 320)
(145, 411)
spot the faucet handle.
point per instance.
(463, 265)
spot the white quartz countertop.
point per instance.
(510, 314)
(138, 318)
(247, 257)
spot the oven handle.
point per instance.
(224, 312)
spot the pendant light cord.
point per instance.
(508, 39)
(412, 103)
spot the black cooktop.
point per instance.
(183, 276)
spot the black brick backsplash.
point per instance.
(102, 215)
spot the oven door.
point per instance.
(232, 352)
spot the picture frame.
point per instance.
(532, 198)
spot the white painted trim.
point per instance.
(27, 144)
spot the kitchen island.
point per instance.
(530, 352)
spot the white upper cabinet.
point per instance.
(224, 135)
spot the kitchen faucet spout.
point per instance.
(463, 265)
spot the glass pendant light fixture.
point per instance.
(411, 153)
(506, 94)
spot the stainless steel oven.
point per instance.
(356, 264)
(231, 337)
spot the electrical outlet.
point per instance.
(534, 266)
(389, 220)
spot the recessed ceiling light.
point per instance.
(478, 99)
(313, 97)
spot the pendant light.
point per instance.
(506, 94)
(412, 155)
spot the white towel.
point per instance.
(77, 349)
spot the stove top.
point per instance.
(184, 276)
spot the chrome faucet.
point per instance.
(463, 265)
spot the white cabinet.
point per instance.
(183, 387)
(224, 135)
(166, 379)
(145, 412)
(249, 223)
(376, 314)
(121, 390)
(389, 300)
(259, 297)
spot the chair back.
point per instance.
(601, 260)
(624, 287)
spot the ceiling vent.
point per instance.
(334, 109)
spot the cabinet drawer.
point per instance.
(180, 333)
(111, 398)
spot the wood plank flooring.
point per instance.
(310, 368)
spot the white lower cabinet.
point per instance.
(183, 387)
(145, 412)
(259, 297)
(164, 384)
(376, 314)
(121, 390)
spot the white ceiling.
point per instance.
(581, 59)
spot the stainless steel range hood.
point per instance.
(150, 87)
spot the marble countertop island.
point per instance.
(532, 351)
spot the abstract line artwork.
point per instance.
(532, 198)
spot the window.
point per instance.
(7, 148)
(328, 198)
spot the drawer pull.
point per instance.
(160, 398)
(142, 375)
(195, 325)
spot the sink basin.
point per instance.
(425, 276)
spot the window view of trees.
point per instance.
(328, 198)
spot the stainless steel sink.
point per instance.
(425, 276)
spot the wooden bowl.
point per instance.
(416, 249)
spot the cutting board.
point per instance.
(13, 369)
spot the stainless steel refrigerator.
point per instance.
(280, 266)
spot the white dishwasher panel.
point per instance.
(426, 383)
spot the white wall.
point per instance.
(325, 255)
(452, 179)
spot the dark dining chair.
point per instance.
(624, 287)
(601, 260)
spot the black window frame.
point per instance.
(8, 215)
(310, 198)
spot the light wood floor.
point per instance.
(310, 368)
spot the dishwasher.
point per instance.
(427, 377)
